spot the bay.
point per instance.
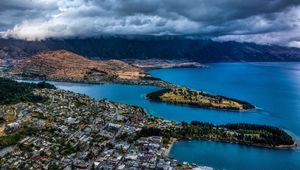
(273, 87)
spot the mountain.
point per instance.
(170, 47)
(67, 66)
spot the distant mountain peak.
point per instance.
(199, 50)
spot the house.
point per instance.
(11, 127)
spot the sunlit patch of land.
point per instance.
(195, 98)
(2, 133)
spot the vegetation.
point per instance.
(198, 99)
(250, 134)
(14, 138)
(264, 134)
(9, 117)
(2, 120)
(66, 149)
(98, 138)
(12, 92)
(38, 115)
(44, 85)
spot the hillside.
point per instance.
(12, 92)
(165, 48)
(67, 66)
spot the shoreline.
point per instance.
(167, 151)
(170, 95)
(154, 83)
(218, 140)
(280, 147)
(209, 108)
(174, 140)
(167, 86)
(154, 64)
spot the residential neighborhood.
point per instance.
(72, 131)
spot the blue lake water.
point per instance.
(273, 87)
(235, 157)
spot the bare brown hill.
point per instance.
(66, 66)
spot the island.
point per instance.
(185, 96)
(42, 127)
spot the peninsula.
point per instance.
(150, 64)
(185, 96)
(67, 66)
(64, 65)
(63, 129)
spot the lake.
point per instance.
(273, 87)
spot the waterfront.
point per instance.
(235, 157)
(273, 87)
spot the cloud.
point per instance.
(260, 21)
(280, 28)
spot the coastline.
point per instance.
(170, 96)
(168, 150)
(210, 108)
(279, 147)
(155, 83)
(153, 64)
(143, 81)
(224, 141)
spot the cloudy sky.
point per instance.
(260, 21)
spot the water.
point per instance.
(273, 87)
(235, 157)
(135, 95)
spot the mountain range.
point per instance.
(165, 48)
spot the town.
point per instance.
(42, 127)
(73, 131)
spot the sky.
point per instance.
(258, 21)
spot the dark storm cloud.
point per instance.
(261, 21)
